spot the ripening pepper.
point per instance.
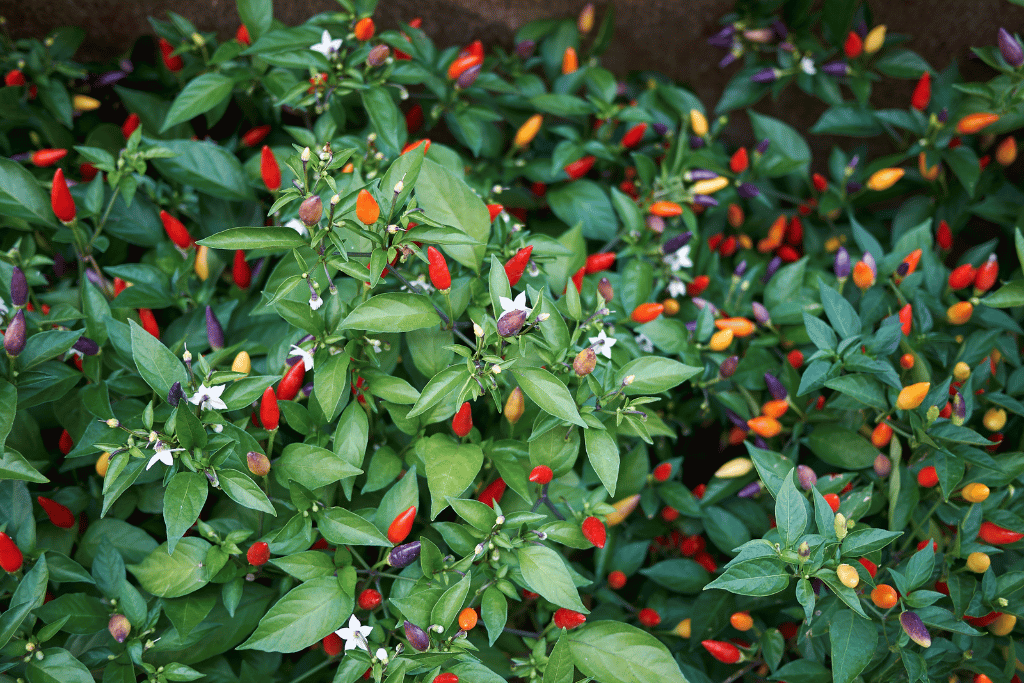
(986, 274)
(270, 171)
(241, 272)
(570, 62)
(683, 628)
(241, 363)
(11, 558)
(961, 277)
(885, 178)
(881, 435)
(848, 575)
(568, 619)
(853, 45)
(119, 627)
(528, 131)
(202, 264)
(47, 157)
(440, 277)
(1006, 151)
(404, 555)
(580, 167)
(462, 64)
(720, 340)
(884, 596)
(960, 312)
(978, 562)
(912, 396)
(400, 527)
(922, 92)
(176, 230)
(863, 275)
(60, 198)
(462, 423)
(367, 209)
(975, 493)
(874, 40)
(148, 321)
(173, 63)
(972, 123)
(698, 123)
(594, 531)
(59, 515)
(258, 463)
(994, 419)
(929, 173)
(514, 406)
(417, 637)
(645, 313)
(364, 29)
(928, 477)
(623, 508)
(710, 186)
(906, 319)
(740, 161)
(741, 327)
(665, 209)
(735, 468)
(764, 426)
(634, 135)
(1003, 625)
(516, 266)
(493, 492)
(915, 628)
(725, 652)
(270, 413)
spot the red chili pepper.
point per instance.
(987, 274)
(130, 125)
(60, 198)
(795, 358)
(649, 617)
(399, 529)
(258, 554)
(88, 171)
(416, 143)
(577, 279)
(853, 45)
(149, 322)
(568, 619)
(795, 231)
(739, 161)
(788, 254)
(870, 566)
(728, 247)
(598, 262)
(270, 413)
(255, 136)
(833, 501)
(241, 273)
(14, 78)
(173, 64)
(961, 277)
(493, 492)
(269, 169)
(440, 277)
(414, 119)
(541, 474)
(369, 599)
(634, 135)
(662, 472)
(175, 229)
(993, 534)
(463, 420)
(645, 313)
(494, 210)
(58, 514)
(727, 653)
(476, 48)
(242, 35)
(922, 92)
(516, 265)
(714, 241)
(288, 387)
(699, 284)
(11, 558)
(819, 182)
(944, 236)
(580, 167)
(594, 531)
(48, 157)
(984, 161)
(906, 319)
(462, 64)
(364, 29)
(982, 622)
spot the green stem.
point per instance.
(316, 669)
(917, 526)
(106, 214)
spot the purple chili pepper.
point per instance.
(696, 142)
(524, 48)
(750, 490)
(780, 28)
(882, 465)
(841, 265)
(763, 146)
(772, 268)
(806, 476)
(775, 387)
(60, 264)
(943, 115)
(915, 628)
(869, 261)
(660, 128)
(902, 269)
(214, 332)
(728, 367)
(699, 174)
(1010, 48)
(765, 76)
(760, 443)
(959, 407)
(836, 68)
(748, 190)
(655, 224)
(723, 38)
(175, 394)
(737, 420)
(676, 243)
(853, 186)
(741, 268)
(416, 636)
(109, 78)
(86, 346)
(307, 389)
(468, 77)
(704, 200)
(19, 287)
(691, 326)
(14, 337)
(761, 314)
(404, 555)
(728, 59)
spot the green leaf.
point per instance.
(439, 388)
(451, 468)
(57, 666)
(604, 457)
(559, 668)
(171, 575)
(772, 467)
(385, 118)
(392, 312)
(244, 491)
(545, 573)
(787, 148)
(681, 575)
(614, 652)
(494, 611)
(790, 512)
(329, 383)
(449, 200)
(311, 466)
(21, 196)
(654, 374)
(157, 365)
(343, 527)
(820, 334)
(183, 501)
(861, 388)
(1009, 295)
(205, 166)
(267, 238)
(199, 96)
(840, 312)
(450, 602)
(853, 645)
(305, 615)
(257, 16)
(759, 577)
(13, 464)
(548, 392)
(307, 565)
(587, 203)
(841, 447)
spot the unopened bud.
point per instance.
(306, 154)
(804, 551)
(478, 331)
(585, 362)
(113, 423)
(628, 380)
(399, 186)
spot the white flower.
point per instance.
(326, 46)
(603, 344)
(315, 301)
(208, 398)
(645, 343)
(381, 656)
(307, 359)
(296, 225)
(3, 307)
(807, 66)
(517, 304)
(163, 454)
(679, 259)
(355, 634)
(676, 287)
(376, 344)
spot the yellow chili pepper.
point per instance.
(875, 39)
(913, 396)
(698, 122)
(710, 186)
(884, 178)
(622, 509)
(528, 131)
(202, 266)
(85, 103)
(242, 363)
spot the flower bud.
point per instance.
(417, 637)
(175, 394)
(19, 287)
(86, 346)
(311, 210)
(1010, 48)
(14, 337)
(404, 555)
(761, 314)
(119, 627)
(728, 367)
(882, 465)
(604, 288)
(804, 551)
(807, 477)
(511, 322)
(514, 406)
(585, 362)
(214, 332)
(258, 463)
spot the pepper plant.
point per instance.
(332, 354)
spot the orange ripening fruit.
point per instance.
(927, 172)
(367, 209)
(881, 435)
(913, 396)
(741, 621)
(741, 327)
(884, 178)
(645, 313)
(764, 426)
(775, 409)
(467, 619)
(570, 62)
(884, 596)
(972, 123)
(960, 312)
(364, 29)
(665, 209)
(720, 340)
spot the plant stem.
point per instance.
(739, 674)
(315, 669)
(524, 634)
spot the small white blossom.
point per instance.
(315, 301)
(679, 259)
(296, 225)
(163, 454)
(217, 428)
(307, 359)
(375, 343)
(381, 656)
(354, 634)
(676, 287)
(603, 344)
(208, 398)
(645, 343)
(326, 46)
(3, 307)
(517, 304)
(807, 66)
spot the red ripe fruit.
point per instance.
(728, 247)
(269, 169)
(663, 471)
(88, 171)
(288, 387)
(463, 420)
(446, 678)
(795, 358)
(962, 276)
(634, 135)
(616, 580)
(853, 45)
(175, 229)
(598, 262)
(922, 92)
(173, 64)
(48, 157)
(11, 558)
(739, 161)
(906, 319)
(270, 414)
(369, 599)
(714, 241)
(594, 531)
(870, 566)
(494, 210)
(414, 119)
(60, 198)
(400, 527)
(568, 619)
(699, 284)
(13, 78)
(669, 514)
(927, 477)
(580, 167)
(795, 231)
(994, 534)
(493, 493)
(832, 500)
(820, 184)
(541, 474)
(364, 29)
(944, 236)
(258, 554)
(333, 644)
(148, 321)
(648, 617)
(241, 273)
(58, 514)
(987, 274)
(726, 653)
(242, 35)
(577, 279)
(65, 443)
(516, 265)
(255, 136)
(440, 277)
(130, 125)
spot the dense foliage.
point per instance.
(332, 354)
